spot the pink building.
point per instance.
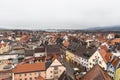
(29, 71)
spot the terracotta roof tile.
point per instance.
(2, 44)
(21, 68)
(101, 38)
(106, 55)
(115, 40)
(97, 74)
(115, 61)
(24, 38)
(54, 57)
(104, 47)
(66, 43)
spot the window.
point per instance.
(35, 78)
(56, 68)
(30, 73)
(60, 70)
(35, 73)
(25, 78)
(20, 79)
(55, 72)
(86, 60)
(25, 74)
(99, 62)
(113, 72)
(90, 63)
(109, 57)
(93, 60)
(20, 75)
(50, 71)
(51, 76)
(82, 62)
(30, 78)
(39, 73)
(95, 56)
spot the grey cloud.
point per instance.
(44, 14)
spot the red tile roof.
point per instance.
(115, 40)
(115, 61)
(101, 38)
(104, 47)
(24, 38)
(2, 44)
(96, 73)
(106, 55)
(21, 68)
(66, 43)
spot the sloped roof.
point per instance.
(48, 63)
(66, 43)
(104, 47)
(115, 61)
(29, 52)
(107, 56)
(39, 49)
(52, 49)
(115, 40)
(21, 68)
(24, 38)
(82, 50)
(96, 73)
(2, 44)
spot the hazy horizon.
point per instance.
(58, 14)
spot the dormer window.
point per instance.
(109, 57)
(111, 66)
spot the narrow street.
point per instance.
(69, 69)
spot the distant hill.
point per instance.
(111, 28)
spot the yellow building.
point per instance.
(4, 48)
(117, 74)
(69, 56)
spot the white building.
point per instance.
(96, 58)
(54, 70)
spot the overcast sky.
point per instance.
(58, 14)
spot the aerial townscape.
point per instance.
(59, 39)
(56, 55)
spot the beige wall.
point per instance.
(29, 75)
(69, 56)
(4, 49)
(51, 72)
